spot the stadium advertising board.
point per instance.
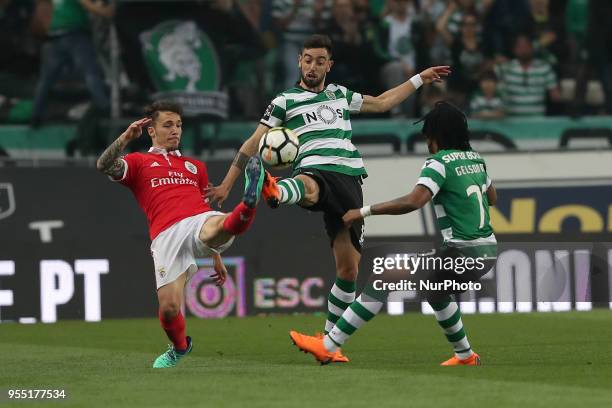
(528, 276)
(538, 193)
(76, 247)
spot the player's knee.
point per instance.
(347, 272)
(169, 309)
(311, 190)
(310, 197)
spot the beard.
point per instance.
(312, 83)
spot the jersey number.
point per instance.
(479, 191)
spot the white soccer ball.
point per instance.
(279, 147)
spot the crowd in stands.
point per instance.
(509, 57)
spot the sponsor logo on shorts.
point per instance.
(191, 167)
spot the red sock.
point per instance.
(239, 220)
(175, 329)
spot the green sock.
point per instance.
(292, 190)
(362, 310)
(342, 294)
(448, 316)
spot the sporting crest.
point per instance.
(184, 66)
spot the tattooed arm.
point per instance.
(109, 162)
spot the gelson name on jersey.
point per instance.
(470, 169)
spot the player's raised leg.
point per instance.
(292, 190)
(173, 323)
(220, 229)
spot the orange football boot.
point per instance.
(473, 360)
(338, 357)
(314, 346)
(270, 191)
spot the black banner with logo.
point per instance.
(74, 245)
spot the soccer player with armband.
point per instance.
(328, 171)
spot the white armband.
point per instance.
(416, 81)
(366, 211)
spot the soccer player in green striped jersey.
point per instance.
(329, 170)
(455, 178)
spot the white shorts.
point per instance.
(175, 249)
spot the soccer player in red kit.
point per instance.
(170, 188)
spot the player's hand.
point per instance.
(351, 216)
(135, 129)
(216, 193)
(220, 272)
(435, 74)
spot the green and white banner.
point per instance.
(184, 67)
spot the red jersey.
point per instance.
(167, 186)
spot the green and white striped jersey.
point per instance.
(524, 89)
(322, 123)
(458, 181)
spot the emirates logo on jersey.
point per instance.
(191, 167)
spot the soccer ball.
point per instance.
(279, 147)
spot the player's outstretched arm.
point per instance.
(109, 162)
(248, 149)
(417, 198)
(394, 96)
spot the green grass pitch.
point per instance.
(529, 360)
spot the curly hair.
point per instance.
(447, 125)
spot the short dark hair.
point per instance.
(447, 125)
(318, 41)
(152, 110)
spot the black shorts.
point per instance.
(338, 193)
(441, 275)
